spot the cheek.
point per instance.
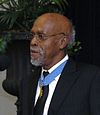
(50, 50)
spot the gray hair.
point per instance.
(72, 37)
(71, 43)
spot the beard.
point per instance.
(39, 61)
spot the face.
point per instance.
(46, 51)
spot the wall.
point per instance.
(7, 101)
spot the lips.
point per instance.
(34, 53)
(34, 50)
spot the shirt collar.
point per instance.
(56, 65)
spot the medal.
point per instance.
(51, 76)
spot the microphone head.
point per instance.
(4, 62)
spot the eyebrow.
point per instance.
(39, 32)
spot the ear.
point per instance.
(63, 42)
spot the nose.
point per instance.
(34, 42)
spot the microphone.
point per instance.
(4, 62)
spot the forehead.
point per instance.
(51, 24)
(44, 26)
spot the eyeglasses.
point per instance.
(42, 36)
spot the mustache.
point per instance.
(36, 49)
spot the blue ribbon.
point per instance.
(51, 76)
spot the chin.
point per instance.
(36, 62)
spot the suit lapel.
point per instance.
(64, 85)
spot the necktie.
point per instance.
(39, 107)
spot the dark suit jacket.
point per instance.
(77, 91)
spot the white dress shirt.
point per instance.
(52, 86)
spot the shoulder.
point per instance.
(86, 73)
(87, 67)
(33, 73)
(83, 67)
(88, 70)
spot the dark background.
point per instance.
(85, 15)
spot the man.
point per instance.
(74, 89)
